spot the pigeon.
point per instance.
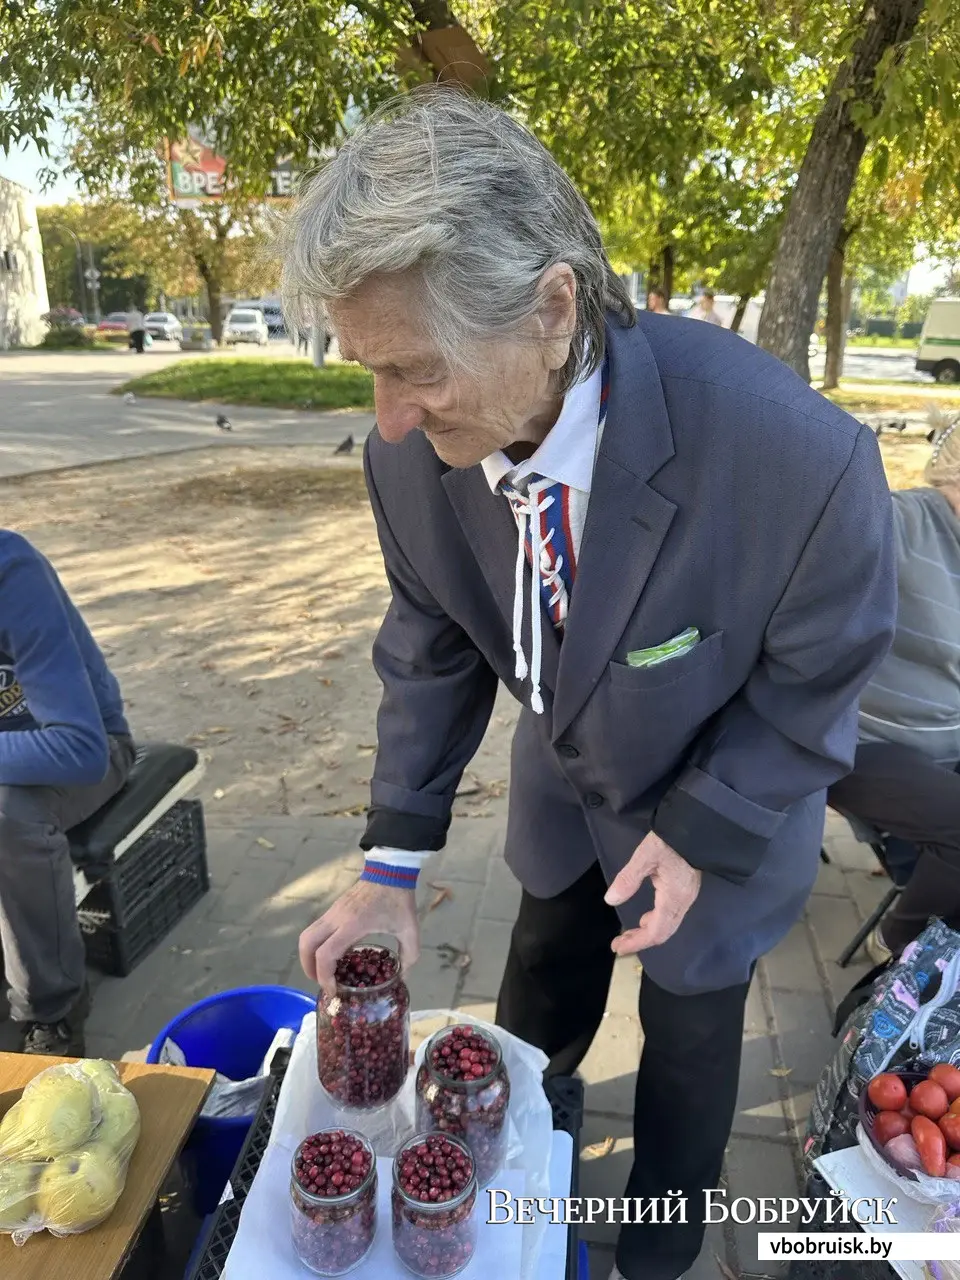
(224, 423)
(129, 398)
(345, 446)
(898, 424)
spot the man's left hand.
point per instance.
(675, 888)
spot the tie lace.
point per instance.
(528, 508)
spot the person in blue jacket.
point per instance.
(65, 750)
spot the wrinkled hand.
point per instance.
(365, 908)
(675, 887)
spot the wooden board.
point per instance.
(169, 1099)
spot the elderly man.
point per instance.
(674, 554)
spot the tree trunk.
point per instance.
(666, 283)
(742, 303)
(653, 274)
(214, 291)
(826, 179)
(836, 325)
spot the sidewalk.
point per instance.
(272, 877)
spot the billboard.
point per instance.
(196, 173)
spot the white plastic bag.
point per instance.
(946, 1220)
(64, 1150)
(923, 1188)
(303, 1108)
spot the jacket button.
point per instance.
(593, 799)
(567, 750)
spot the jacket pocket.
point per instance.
(698, 660)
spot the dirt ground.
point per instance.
(237, 598)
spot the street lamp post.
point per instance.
(83, 292)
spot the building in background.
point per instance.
(23, 285)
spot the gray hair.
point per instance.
(449, 187)
(943, 466)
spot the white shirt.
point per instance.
(568, 455)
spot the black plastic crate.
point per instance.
(564, 1093)
(148, 889)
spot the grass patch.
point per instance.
(283, 384)
(335, 488)
(867, 399)
(876, 340)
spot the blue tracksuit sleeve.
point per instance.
(67, 745)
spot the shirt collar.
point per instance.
(568, 453)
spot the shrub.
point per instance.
(63, 339)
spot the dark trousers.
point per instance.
(908, 795)
(40, 939)
(553, 995)
(136, 340)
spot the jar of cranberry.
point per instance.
(333, 1193)
(363, 1030)
(434, 1193)
(463, 1089)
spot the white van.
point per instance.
(939, 350)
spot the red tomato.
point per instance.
(890, 1124)
(928, 1099)
(954, 1159)
(887, 1092)
(950, 1128)
(908, 1111)
(948, 1078)
(931, 1144)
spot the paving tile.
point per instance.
(471, 848)
(432, 981)
(488, 955)
(756, 1168)
(607, 1175)
(451, 923)
(707, 1266)
(759, 1112)
(834, 921)
(868, 890)
(843, 849)
(610, 1068)
(501, 896)
(804, 1028)
(243, 900)
(791, 966)
(485, 1010)
(831, 880)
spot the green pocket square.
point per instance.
(682, 643)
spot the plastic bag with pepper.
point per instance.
(64, 1150)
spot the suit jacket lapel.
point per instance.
(492, 534)
(627, 521)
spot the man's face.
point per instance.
(464, 416)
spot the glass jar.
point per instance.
(332, 1234)
(453, 1099)
(363, 1030)
(432, 1202)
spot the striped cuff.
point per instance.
(385, 873)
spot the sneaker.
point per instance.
(61, 1039)
(876, 948)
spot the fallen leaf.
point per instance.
(463, 961)
(264, 843)
(332, 653)
(597, 1150)
(443, 893)
(781, 1072)
(366, 751)
(219, 793)
(725, 1270)
(219, 728)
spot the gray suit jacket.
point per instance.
(728, 496)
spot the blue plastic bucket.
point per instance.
(230, 1032)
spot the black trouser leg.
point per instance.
(553, 995)
(683, 1111)
(558, 970)
(907, 794)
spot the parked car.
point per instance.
(163, 324)
(272, 313)
(939, 349)
(115, 322)
(246, 326)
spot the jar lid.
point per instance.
(431, 1139)
(440, 1036)
(311, 1196)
